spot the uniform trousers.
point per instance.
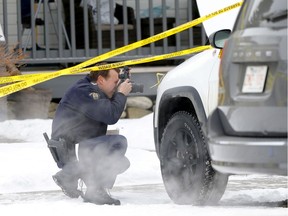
(101, 159)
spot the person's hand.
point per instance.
(125, 87)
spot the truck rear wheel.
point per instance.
(186, 165)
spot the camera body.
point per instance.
(136, 87)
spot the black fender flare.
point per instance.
(187, 92)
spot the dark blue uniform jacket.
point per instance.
(85, 111)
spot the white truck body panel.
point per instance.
(201, 70)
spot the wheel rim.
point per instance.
(182, 159)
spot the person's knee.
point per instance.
(119, 143)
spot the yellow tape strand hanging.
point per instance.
(75, 69)
(159, 77)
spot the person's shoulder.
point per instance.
(84, 84)
(96, 93)
(81, 85)
(91, 89)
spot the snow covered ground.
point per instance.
(26, 186)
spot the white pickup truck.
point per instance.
(185, 98)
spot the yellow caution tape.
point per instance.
(10, 79)
(113, 65)
(27, 82)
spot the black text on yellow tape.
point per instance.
(5, 90)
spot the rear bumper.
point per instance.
(245, 155)
(236, 155)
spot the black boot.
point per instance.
(100, 196)
(67, 183)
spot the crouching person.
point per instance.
(83, 116)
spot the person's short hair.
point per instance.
(104, 73)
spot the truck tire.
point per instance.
(186, 165)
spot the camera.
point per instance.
(125, 74)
